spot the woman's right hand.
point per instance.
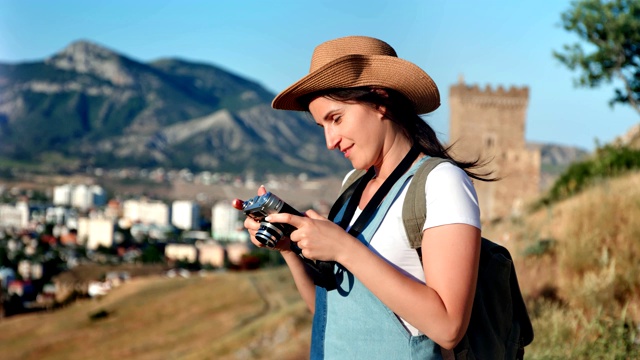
(252, 226)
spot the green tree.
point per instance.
(152, 255)
(611, 28)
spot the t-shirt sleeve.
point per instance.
(451, 198)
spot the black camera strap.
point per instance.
(354, 194)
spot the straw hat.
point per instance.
(355, 61)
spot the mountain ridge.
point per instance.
(92, 104)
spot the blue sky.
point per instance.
(489, 42)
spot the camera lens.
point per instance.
(269, 234)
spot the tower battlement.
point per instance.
(513, 96)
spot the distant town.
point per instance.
(72, 226)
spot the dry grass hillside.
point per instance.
(578, 263)
(251, 315)
(577, 260)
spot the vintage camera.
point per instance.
(260, 207)
(269, 234)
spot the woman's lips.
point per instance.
(347, 151)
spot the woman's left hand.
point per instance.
(316, 236)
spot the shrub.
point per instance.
(568, 333)
(540, 247)
(608, 161)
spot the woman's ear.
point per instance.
(383, 94)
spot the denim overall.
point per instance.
(352, 323)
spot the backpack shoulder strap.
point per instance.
(414, 209)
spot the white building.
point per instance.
(226, 223)
(79, 196)
(14, 216)
(29, 270)
(236, 251)
(61, 216)
(62, 195)
(182, 252)
(146, 211)
(85, 197)
(93, 232)
(211, 253)
(185, 214)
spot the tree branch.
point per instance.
(632, 101)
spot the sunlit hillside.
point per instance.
(251, 315)
(577, 261)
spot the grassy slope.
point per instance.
(224, 316)
(582, 293)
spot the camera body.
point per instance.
(261, 206)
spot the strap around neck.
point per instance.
(377, 198)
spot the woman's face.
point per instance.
(357, 130)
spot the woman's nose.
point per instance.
(332, 139)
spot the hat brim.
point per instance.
(365, 70)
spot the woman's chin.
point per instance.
(359, 166)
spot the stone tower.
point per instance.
(491, 124)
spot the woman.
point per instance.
(389, 303)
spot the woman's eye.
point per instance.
(337, 119)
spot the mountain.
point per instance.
(553, 155)
(100, 108)
(555, 159)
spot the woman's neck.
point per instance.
(391, 158)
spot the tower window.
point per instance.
(489, 141)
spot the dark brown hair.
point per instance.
(402, 111)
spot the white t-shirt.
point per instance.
(451, 199)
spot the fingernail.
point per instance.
(261, 186)
(268, 218)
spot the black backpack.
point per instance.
(500, 327)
